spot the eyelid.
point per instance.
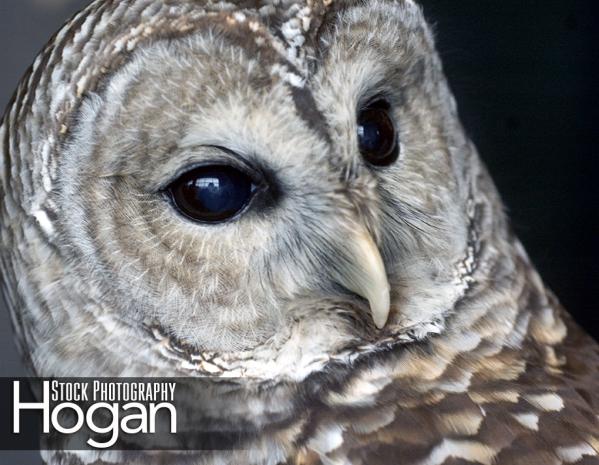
(378, 93)
(217, 156)
(378, 102)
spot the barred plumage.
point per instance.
(476, 361)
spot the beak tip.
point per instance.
(363, 272)
(380, 323)
(380, 308)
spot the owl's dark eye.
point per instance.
(212, 194)
(377, 138)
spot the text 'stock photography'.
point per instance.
(258, 233)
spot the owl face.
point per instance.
(288, 180)
(217, 192)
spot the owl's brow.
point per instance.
(307, 110)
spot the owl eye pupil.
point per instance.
(211, 194)
(377, 139)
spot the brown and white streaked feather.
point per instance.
(478, 364)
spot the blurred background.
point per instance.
(525, 77)
(526, 80)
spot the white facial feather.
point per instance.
(343, 290)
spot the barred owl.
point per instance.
(280, 193)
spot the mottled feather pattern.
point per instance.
(469, 401)
(478, 362)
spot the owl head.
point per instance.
(263, 185)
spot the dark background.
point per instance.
(526, 80)
(524, 75)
